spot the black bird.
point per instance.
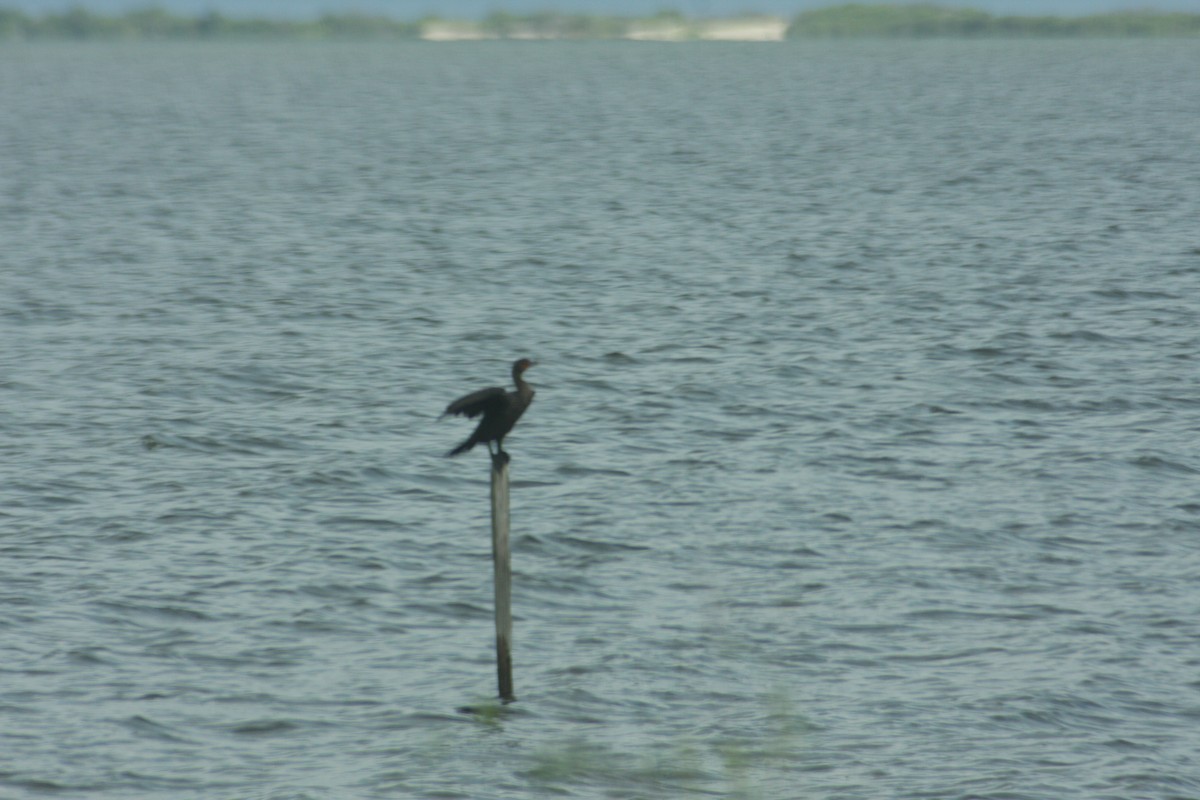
(500, 410)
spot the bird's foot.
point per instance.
(500, 458)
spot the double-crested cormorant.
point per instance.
(500, 410)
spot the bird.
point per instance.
(500, 409)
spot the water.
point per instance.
(862, 463)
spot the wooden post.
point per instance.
(502, 564)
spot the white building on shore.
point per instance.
(758, 28)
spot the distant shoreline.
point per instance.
(853, 21)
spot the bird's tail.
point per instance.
(462, 448)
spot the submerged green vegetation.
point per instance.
(843, 21)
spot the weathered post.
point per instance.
(502, 565)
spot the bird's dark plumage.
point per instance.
(500, 409)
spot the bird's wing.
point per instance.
(476, 403)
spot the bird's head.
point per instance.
(522, 364)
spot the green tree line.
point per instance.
(917, 21)
(844, 21)
(155, 23)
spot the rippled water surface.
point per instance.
(863, 461)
